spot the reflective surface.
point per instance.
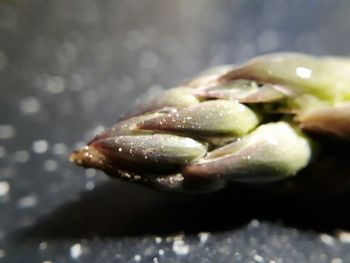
(70, 68)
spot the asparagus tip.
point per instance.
(87, 156)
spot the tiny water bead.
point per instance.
(30, 105)
(7, 131)
(21, 156)
(28, 201)
(55, 84)
(40, 146)
(4, 189)
(43, 245)
(137, 258)
(90, 185)
(180, 247)
(203, 237)
(327, 239)
(50, 165)
(59, 149)
(344, 236)
(76, 251)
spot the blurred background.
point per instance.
(68, 69)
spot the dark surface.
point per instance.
(68, 68)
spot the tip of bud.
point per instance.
(87, 156)
(77, 156)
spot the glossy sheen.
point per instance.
(272, 151)
(175, 98)
(243, 91)
(211, 118)
(325, 78)
(153, 149)
(252, 123)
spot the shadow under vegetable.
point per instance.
(116, 209)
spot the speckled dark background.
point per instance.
(69, 68)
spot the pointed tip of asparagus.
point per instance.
(87, 156)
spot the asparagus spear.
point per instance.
(253, 123)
